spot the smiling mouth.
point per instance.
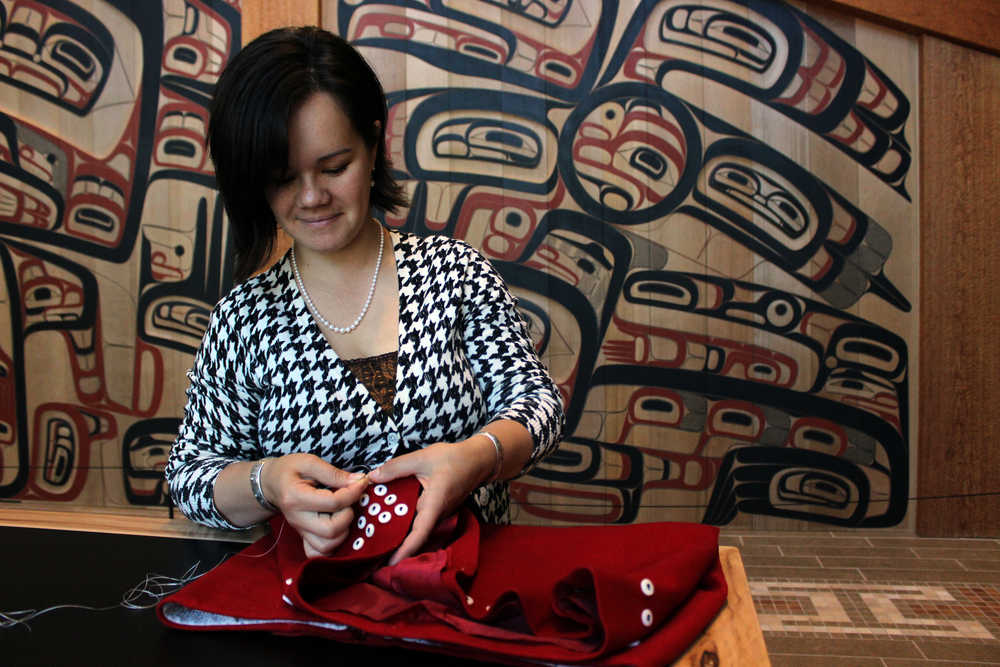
(323, 219)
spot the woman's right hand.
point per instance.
(315, 497)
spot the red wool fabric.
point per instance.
(605, 595)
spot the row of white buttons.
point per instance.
(376, 510)
(647, 588)
(388, 500)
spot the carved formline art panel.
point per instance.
(683, 195)
(113, 238)
(705, 209)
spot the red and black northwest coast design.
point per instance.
(633, 594)
(702, 208)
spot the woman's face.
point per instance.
(322, 198)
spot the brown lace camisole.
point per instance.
(378, 374)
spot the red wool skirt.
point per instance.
(604, 595)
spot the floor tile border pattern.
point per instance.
(876, 610)
(935, 602)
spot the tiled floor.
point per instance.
(836, 598)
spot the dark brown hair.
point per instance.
(257, 93)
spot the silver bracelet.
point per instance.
(498, 468)
(258, 492)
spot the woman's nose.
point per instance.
(310, 193)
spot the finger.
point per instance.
(323, 533)
(309, 550)
(297, 480)
(330, 500)
(314, 546)
(327, 475)
(345, 497)
(401, 466)
(423, 524)
(326, 525)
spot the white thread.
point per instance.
(154, 587)
(277, 537)
(368, 302)
(144, 595)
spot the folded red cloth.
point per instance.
(616, 595)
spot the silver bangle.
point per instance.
(258, 492)
(498, 468)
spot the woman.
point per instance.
(362, 350)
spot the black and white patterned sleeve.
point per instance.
(514, 381)
(219, 425)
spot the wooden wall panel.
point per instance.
(113, 242)
(975, 23)
(960, 292)
(113, 248)
(259, 16)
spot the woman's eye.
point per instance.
(335, 170)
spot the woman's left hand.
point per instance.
(448, 473)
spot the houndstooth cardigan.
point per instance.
(265, 382)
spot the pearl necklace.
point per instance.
(368, 302)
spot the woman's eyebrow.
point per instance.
(332, 154)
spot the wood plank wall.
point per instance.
(960, 296)
(259, 16)
(974, 23)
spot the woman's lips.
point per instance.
(313, 221)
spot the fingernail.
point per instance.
(356, 476)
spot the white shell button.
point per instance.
(647, 617)
(647, 586)
(389, 499)
(362, 521)
(400, 509)
(369, 530)
(358, 543)
(385, 516)
(374, 509)
(380, 490)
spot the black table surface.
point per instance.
(41, 568)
